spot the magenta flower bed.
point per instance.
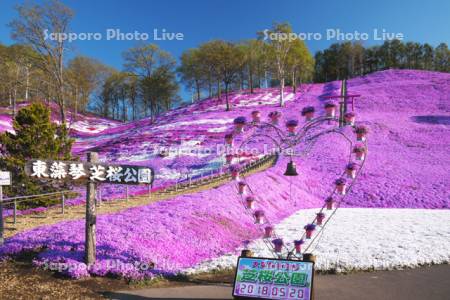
(406, 112)
(173, 234)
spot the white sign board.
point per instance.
(94, 172)
(5, 178)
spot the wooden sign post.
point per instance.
(90, 173)
(91, 215)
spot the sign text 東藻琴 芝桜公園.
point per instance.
(94, 172)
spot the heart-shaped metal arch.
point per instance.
(307, 136)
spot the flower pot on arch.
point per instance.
(310, 230)
(256, 116)
(278, 245)
(330, 110)
(298, 246)
(341, 186)
(259, 217)
(308, 112)
(250, 202)
(239, 124)
(274, 117)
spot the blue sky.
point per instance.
(203, 20)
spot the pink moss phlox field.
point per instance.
(173, 234)
(406, 112)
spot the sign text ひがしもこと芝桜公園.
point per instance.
(94, 172)
(265, 278)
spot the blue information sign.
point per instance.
(266, 278)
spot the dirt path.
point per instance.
(431, 283)
(54, 215)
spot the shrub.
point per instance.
(35, 137)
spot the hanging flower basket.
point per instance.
(250, 202)
(329, 202)
(259, 217)
(229, 158)
(274, 117)
(268, 232)
(298, 246)
(239, 124)
(361, 133)
(330, 109)
(234, 172)
(308, 112)
(229, 139)
(241, 187)
(350, 118)
(319, 218)
(360, 152)
(163, 153)
(256, 116)
(350, 170)
(309, 230)
(291, 125)
(341, 186)
(278, 244)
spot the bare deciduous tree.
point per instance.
(33, 27)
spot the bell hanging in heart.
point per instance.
(291, 169)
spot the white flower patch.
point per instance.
(142, 156)
(211, 165)
(362, 239)
(187, 148)
(167, 174)
(101, 137)
(220, 107)
(218, 129)
(85, 126)
(6, 126)
(194, 122)
(267, 99)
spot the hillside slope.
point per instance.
(408, 166)
(407, 112)
(80, 124)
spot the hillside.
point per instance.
(81, 124)
(408, 115)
